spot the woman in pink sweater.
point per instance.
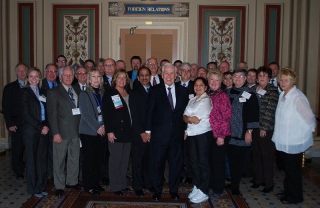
(220, 116)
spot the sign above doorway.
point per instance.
(127, 9)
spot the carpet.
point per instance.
(79, 199)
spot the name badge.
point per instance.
(242, 100)
(261, 92)
(117, 101)
(100, 120)
(99, 109)
(191, 96)
(42, 98)
(246, 95)
(76, 111)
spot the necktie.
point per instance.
(71, 96)
(147, 90)
(184, 85)
(52, 85)
(170, 98)
(154, 82)
(272, 82)
(83, 88)
(109, 79)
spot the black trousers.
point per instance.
(292, 183)
(104, 170)
(160, 152)
(17, 150)
(263, 150)
(217, 158)
(50, 156)
(198, 156)
(91, 160)
(36, 161)
(141, 164)
(236, 155)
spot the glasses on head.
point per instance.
(262, 75)
(52, 71)
(238, 76)
(61, 61)
(108, 65)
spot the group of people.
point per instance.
(202, 120)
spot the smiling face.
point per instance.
(199, 87)
(109, 67)
(33, 78)
(214, 82)
(152, 64)
(51, 73)
(21, 72)
(169, 75)
(251, 78)
(263, 79)
(67, 77)
(227, 81)
(239, 79)
(121, 80)
(144, 77)
(81, 75)
(185, 73)
(135, 64)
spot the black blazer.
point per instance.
(106, 84)
(138, 105)
(164, 122)
(31, 111)
(190, 87)
(76, 87)
(116, 120)
(11, 104)
(45, 86)
(130, 74)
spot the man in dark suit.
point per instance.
(51, 81)
(11, 106)
(135, 62)
(165, 108)
(140, 155)
(109, 69)
(81, 75)
(64, 117)
(153, 65)
(185, 70)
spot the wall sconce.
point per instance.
(132, 30)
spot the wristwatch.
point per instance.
(249, 131)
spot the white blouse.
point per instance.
(294, 123)
(200, 108)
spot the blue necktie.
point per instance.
(170, 98)
(71, 96)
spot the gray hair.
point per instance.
(61, 70)
(168, 65)
(185, 64)
(21, 63)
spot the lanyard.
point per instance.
(97, 100)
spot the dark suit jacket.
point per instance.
(61, 119)
(190, 87)
(138, 105)
(31, 110)
(76, 87)
(116, 120)
(11, 104)
(45, 86)
(106, 84)
(163, 122)
(130, 74)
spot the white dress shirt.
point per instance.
(294, 123)
(157, 79)
(200, 108)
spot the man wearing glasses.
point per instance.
(152, 64)
(109, 69)
(61, 61)
(81, 75)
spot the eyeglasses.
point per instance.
(81, 73)
(67, 75)
(108, 65)
(238, 76)
(152, 63)
(262, 75)
(211, 67)
(228, 78)
(186, 71)
(61, 61)
(52, 71)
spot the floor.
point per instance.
(13, 192)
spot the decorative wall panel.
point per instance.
(76, 32)
(272, 33)
(221, 34)
(26, 33)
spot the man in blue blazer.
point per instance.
(164, 124)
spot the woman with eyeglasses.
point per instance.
(263, 149)
(244, 119)
(294, 124)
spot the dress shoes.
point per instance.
(59, 192)
(156, 196)
(267, 190)
(99, 188)
(73, 186)
(151, 189)
(188, 181)
(19, 176)
(235, 192)
(280, 195)
(257, 185)
(174, 195)
(118, 193)
(93, 192)
(284, 200)
(139, 193)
